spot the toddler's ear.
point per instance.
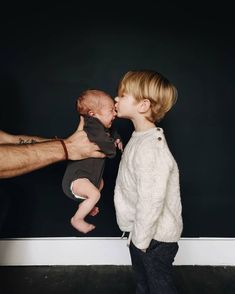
(144, 106)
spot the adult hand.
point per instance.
(79, 146)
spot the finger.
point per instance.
(98, 154)
(81, 124)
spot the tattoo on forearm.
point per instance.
(28, 141)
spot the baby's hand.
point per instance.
(118, 143)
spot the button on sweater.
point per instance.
(147, 191)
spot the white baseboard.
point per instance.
(108, 251)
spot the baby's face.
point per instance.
(107, 112)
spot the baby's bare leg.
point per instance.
(85, 188)
(101, 184)
(95, 210)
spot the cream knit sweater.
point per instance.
(147, 192)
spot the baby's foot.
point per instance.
(82, 226)
(94, 211)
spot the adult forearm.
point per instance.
(6, 138)
(19, 159)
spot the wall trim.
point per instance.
(108, 251)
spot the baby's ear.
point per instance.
(91, 113)
(144, 105)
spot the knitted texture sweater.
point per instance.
(147, 192)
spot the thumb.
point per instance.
(81, 124)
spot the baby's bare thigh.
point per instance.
(83, 187)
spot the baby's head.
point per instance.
(98, 104)
(150, 85)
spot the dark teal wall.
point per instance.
(49, 55)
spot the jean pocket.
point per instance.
(153, 245)
(164, 248)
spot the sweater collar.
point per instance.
(140, 134)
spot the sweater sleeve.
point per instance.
(152, 173)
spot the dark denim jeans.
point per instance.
(153, 269)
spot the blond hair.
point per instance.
(91, 100)
(151, 85)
